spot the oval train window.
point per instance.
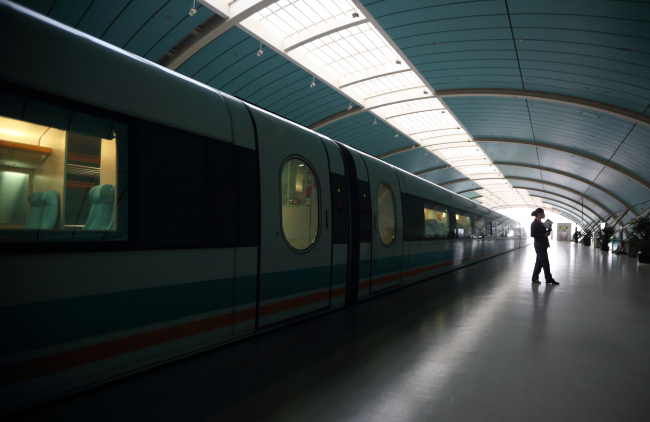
(386, 214)
(299, 197)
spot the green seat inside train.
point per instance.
(102, 208)
(43, 210)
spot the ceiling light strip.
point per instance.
(342, 45)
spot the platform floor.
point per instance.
(478, 344)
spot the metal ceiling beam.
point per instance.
(453, 141)
(414, 110)
(331, 27)
(639, 216)
(395, 152)
(548, 96)
(568, 206)
(571, 200)
(620, 217)
(211, 29)
(598, 160)
(336, 116)
(431, 170)
(378, 73)
(558, 206)
(395, 97)
(554, 208)
(527, 179)
(530, 180)
(572, 176)
(376, 102)
(421, 129)
(571, 216)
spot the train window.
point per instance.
(386, 214)
(500, 230)
(59, 178)
(436, 221)
(493, 228)
(479, 226)
(299, 204)
(463, 225)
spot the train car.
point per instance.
(145, 217)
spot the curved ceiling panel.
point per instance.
(560, 160)
(631, 191)
(576, 49)
(470, 195)
(568, 208)
(231, 64)
(541, 157)
(416, 161)
(635, 152)
(359, 132)
(462, 186)
(567, 196)
(577, 128)
(149, 29)
(440, 177)
(453, 45)
(219, 55)
(589, 191)
(488, 117)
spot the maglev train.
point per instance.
(145, 217)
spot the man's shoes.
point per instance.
(551, 281)
(536, 280)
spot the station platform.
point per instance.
(477, 344)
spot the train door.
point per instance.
(296, 240)
(387, 233)
(339, 220)
(362, 214)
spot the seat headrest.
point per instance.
(36, 199)
(107, 193)
(102, 193)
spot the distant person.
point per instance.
(576, 236)
(541, 233)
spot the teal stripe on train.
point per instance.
(386, 266)
(37, 325)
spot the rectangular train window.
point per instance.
(463, 225)
(479, 226)
(500, 230)
(436, 221)
(493, 228)
(61, 174)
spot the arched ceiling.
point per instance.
(508, 102)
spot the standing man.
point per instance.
(540, 233)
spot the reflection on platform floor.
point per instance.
(478, 344)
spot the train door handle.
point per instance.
(327, 220)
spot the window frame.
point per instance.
(485, 227)
(501, 226)
(392, 195)
(463, 213)
(317, 179)
(61, 240)
(447, 211)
